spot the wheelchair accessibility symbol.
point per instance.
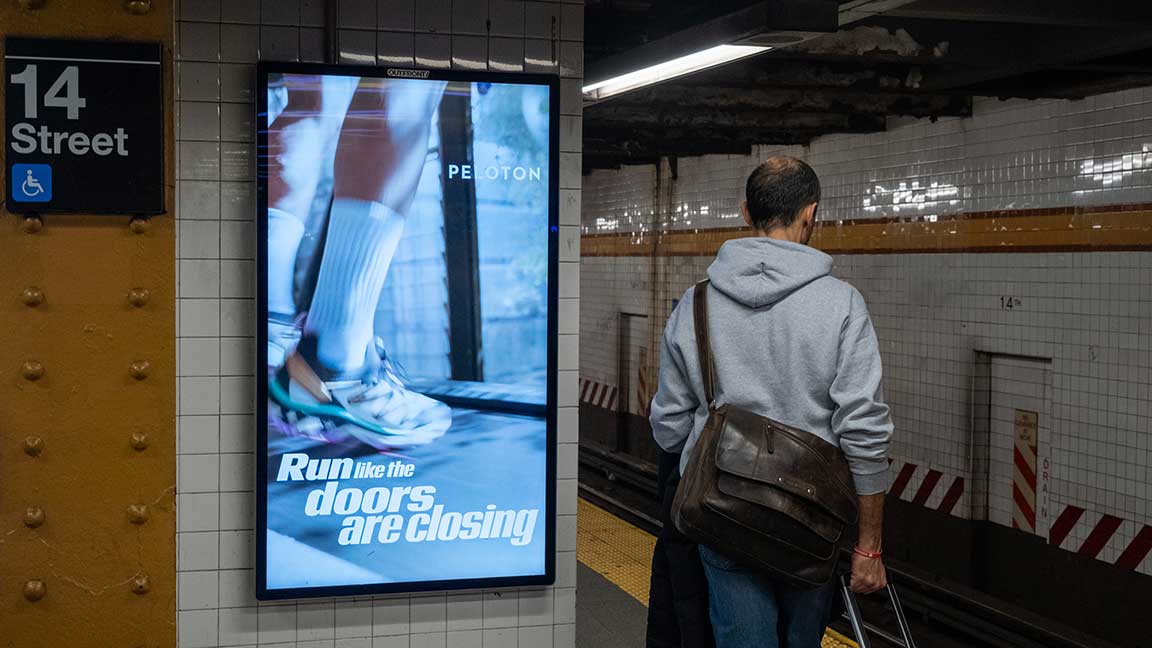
(31, 182)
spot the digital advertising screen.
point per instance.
(407, 234)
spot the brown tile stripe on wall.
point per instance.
(1096, 229)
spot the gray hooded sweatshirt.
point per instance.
(791, 343)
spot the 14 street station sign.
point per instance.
(84, 126)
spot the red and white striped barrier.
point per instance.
(597, 394)
(928, 487)
(1123, 543)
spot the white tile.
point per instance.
(198, 200)
(198, 41)
(198, 473)
(237, 200)
(197, 629)
(390, 642)
(237, 240)
(236, 550)
(237, 510)
(465, 611)
(430, 640)
(198, 356)
(197, 590)
(240, 11)
(238, 626)
(315, 621)
(237, 433)
(237, 356)
(198, 81)
(353, 618)
(565, 605)
(199, 395)
(199, 278)
(564, 636)
(238, 588)
(237, 395)
(428, 613)
(199, 121)
(536, 607)
(506, 18)
(537, 637)
(198, 434)
(277, 623)
(501, 609)
(237, 472)
(465, 639)
(500, 638)
(390, 617)
(237, 317)
(197, 551)
(197, 512)
(237, 279)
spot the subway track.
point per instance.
(941, 614)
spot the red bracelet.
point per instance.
(867, 554)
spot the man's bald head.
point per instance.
(778, 191)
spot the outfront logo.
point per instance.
(408, 74)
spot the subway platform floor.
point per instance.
(613, 579)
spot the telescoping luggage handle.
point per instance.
(857, 620)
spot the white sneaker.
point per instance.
(282, 340)
(376, 407)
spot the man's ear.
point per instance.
(744, 212)
(808, 216)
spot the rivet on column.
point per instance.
(139, 225)
(34, 590)
(33, 446)
(32, 224)
(139, 296)
(140, 369)
(138, 7)
(138, 441)
(32, 370)
(32, 296)
(33, 517)
(138, 513)
(141, 584)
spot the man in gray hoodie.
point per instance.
(794, 344)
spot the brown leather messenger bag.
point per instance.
(772, 497)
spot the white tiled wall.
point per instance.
(1088, 313)
(218, 43)
(1009, 155)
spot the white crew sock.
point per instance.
(284, 234)
(362, 239)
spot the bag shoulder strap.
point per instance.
(704, 340)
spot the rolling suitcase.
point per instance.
(852, 612)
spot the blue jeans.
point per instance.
(749, 610)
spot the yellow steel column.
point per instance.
(87, 394)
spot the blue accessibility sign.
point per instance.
(32, 182)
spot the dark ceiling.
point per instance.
(923, 58)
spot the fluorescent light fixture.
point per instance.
(670, 69)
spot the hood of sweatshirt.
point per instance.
(758, 272)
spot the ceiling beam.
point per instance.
(759, 99)
(1016, 48)
(733, 117)
(1075, 13)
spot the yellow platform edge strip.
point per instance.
(622, 554)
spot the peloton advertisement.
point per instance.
(407, 318)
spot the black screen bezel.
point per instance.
(263, 70)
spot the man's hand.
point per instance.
(868, 574)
